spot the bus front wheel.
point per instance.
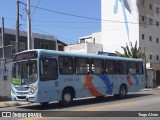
(67, 97)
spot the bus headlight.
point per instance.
(32, 89)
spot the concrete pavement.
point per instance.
(12, 103)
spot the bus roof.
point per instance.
(71, 54)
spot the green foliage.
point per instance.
(131, 52)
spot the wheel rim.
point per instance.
(67, 97)
(123, 91)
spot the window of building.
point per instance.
(94, 40)
(150, 6)
(22, 46)
(150, 38)
(157, 57)
(157, 40)
(142, 36)
(132, 68)
(82, 66)
(97, 66)
(150, 57)
(142, 2)
(66, 65)
(48, 69)
(122, 67)
(157, 23)
(143, 18)
(44, 46)
(82, 40)
(12, 43)
(157, 10)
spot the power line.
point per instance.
(78, 16)
(36, 7)
(59, 36)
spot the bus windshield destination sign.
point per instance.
(26, 55)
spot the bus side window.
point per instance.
(97, 66)
(139, 68)
(122, 67)
(111, 67)
(82, 66)
(132, 68)
(66, 65)
(48, 69)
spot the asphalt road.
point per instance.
(134, 107)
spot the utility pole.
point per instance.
(17, 29)
(29, 25)
(3, 45)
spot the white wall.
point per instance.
(114, 24)
(5, 85)
(86, 48)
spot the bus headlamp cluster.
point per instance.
(32, 89)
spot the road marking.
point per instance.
(89, 109)
(108, 106)
(31, 118)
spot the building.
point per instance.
(87, 44)
(39, 41)
(94, 38)
(127, 21)
(85, 48)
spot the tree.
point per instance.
(131, 52)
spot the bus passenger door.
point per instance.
(48, 86)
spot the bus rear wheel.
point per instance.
(67, 97)
(122, 91)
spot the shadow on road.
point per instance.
(57, 105)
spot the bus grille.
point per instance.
(21, 88)
(22, 93)
(21, 97)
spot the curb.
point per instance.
(149, 89)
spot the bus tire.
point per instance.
(122, 91)
(67, 97)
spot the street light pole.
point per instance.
(29, 25)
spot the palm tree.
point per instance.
(131, 52)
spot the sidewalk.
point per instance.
(148, 89)
(12, 103)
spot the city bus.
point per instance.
(42, 76)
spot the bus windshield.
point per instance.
(24, 72)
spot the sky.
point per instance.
(67, 27)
